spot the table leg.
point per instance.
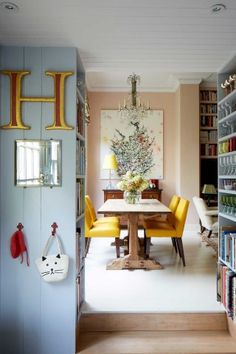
(133, 260)
(133, 237)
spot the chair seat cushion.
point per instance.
(106, 219)
(104, 230)
(159, 229)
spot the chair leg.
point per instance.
(87, 244)
(174, 243)
(117, 242)
(147, 243)
(144, 241)
(202, 228)
(181, 249)
(209, 234)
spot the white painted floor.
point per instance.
(173, 289)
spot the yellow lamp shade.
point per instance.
(110, 162)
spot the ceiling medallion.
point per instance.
(217, 8)
(9, 7)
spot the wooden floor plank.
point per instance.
(161, 342)
(152, 321)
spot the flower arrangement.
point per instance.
(132, 182)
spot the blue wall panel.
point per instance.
(37, 317)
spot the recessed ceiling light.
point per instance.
(9, 7)
(215, 9)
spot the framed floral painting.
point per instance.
(138, 146)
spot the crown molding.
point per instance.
(123, 89)
(173, 83)
(171, 87)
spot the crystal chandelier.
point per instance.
(133, 109)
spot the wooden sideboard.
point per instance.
(154, 193)
(118, 194)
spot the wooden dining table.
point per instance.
(146, 208)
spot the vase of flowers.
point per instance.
(132, 184)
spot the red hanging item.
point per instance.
(17, 244)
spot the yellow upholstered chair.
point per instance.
(170, 216)
(106, 229)
(172, 206)
(173, 229)
(89, 205)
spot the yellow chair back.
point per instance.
(174, 203)
(180, 216)
(90, 206)
(173, 206)
(88, 221)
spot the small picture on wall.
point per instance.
(138, 146)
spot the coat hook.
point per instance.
(20, 226)
(54, 228)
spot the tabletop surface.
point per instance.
(143, 207)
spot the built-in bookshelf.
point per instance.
(226, 277)
(80, 189)
(208, 123)
(208, 136)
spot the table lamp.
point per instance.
(208, 190)
(110, 163)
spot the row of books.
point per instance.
(80, 158)
(208, 108)
(208, 149)
(226, 289)
(208, 121)
(80, 118)
(227, 251)
(208, 135)
(80, 190)
(208, 96)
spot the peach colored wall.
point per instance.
(188, 145)
(181, 142)
(104, 100)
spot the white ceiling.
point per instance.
(162, 40)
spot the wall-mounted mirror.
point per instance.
(38, 163)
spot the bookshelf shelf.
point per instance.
(227, 154)
(80, 176)
(227, 264)
(208, 157)
(208, 114)
(228, 217)
(208, 128)
(80, 137)
(227, 176)
(80, 97)
(227, 118)
(233, 192)
(80, 217)
(229, 136)
(208, 142)
(208, 102)
(231, 97)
